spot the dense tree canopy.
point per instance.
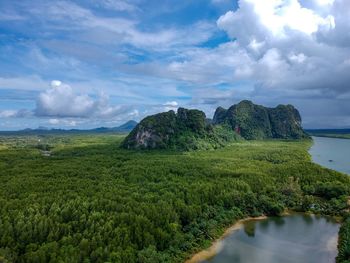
(91, 201)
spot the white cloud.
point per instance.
(298, 58)
(61, 101)
(273, 18)
(255, 45)
(15, 113)
(171, 104)
(324, 2)
(285, 41)
(285, 51)
(56, 83)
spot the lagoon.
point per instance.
(296, 238)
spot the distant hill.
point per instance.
(190, 129)
(124, 128)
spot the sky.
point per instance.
(92, 63)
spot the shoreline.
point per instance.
(217, 243)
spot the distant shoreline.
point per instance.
(333, 136)
(330, 133)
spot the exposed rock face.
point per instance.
(152, 132)
(286, 122)
(165, 129)
(253, 121)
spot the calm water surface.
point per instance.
(332, 153)
(297, 238)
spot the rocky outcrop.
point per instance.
(286, 122)
(152, 132)
(189, 129)
(253, 121)
(167, 129)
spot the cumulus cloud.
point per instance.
(170, 105)
(288, 44)
(273, 18)
(61, 101)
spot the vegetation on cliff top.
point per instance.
(184, 130)
(254, 122)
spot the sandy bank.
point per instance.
(217, 244)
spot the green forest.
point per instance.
(82, 198)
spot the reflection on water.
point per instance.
(279, 221)
(332, 153)
(249, 229)
(309, 219)
(296, 238)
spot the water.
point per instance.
(298, 238)
(332, 153)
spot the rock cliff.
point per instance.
(189, 129)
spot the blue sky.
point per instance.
(83, 64)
